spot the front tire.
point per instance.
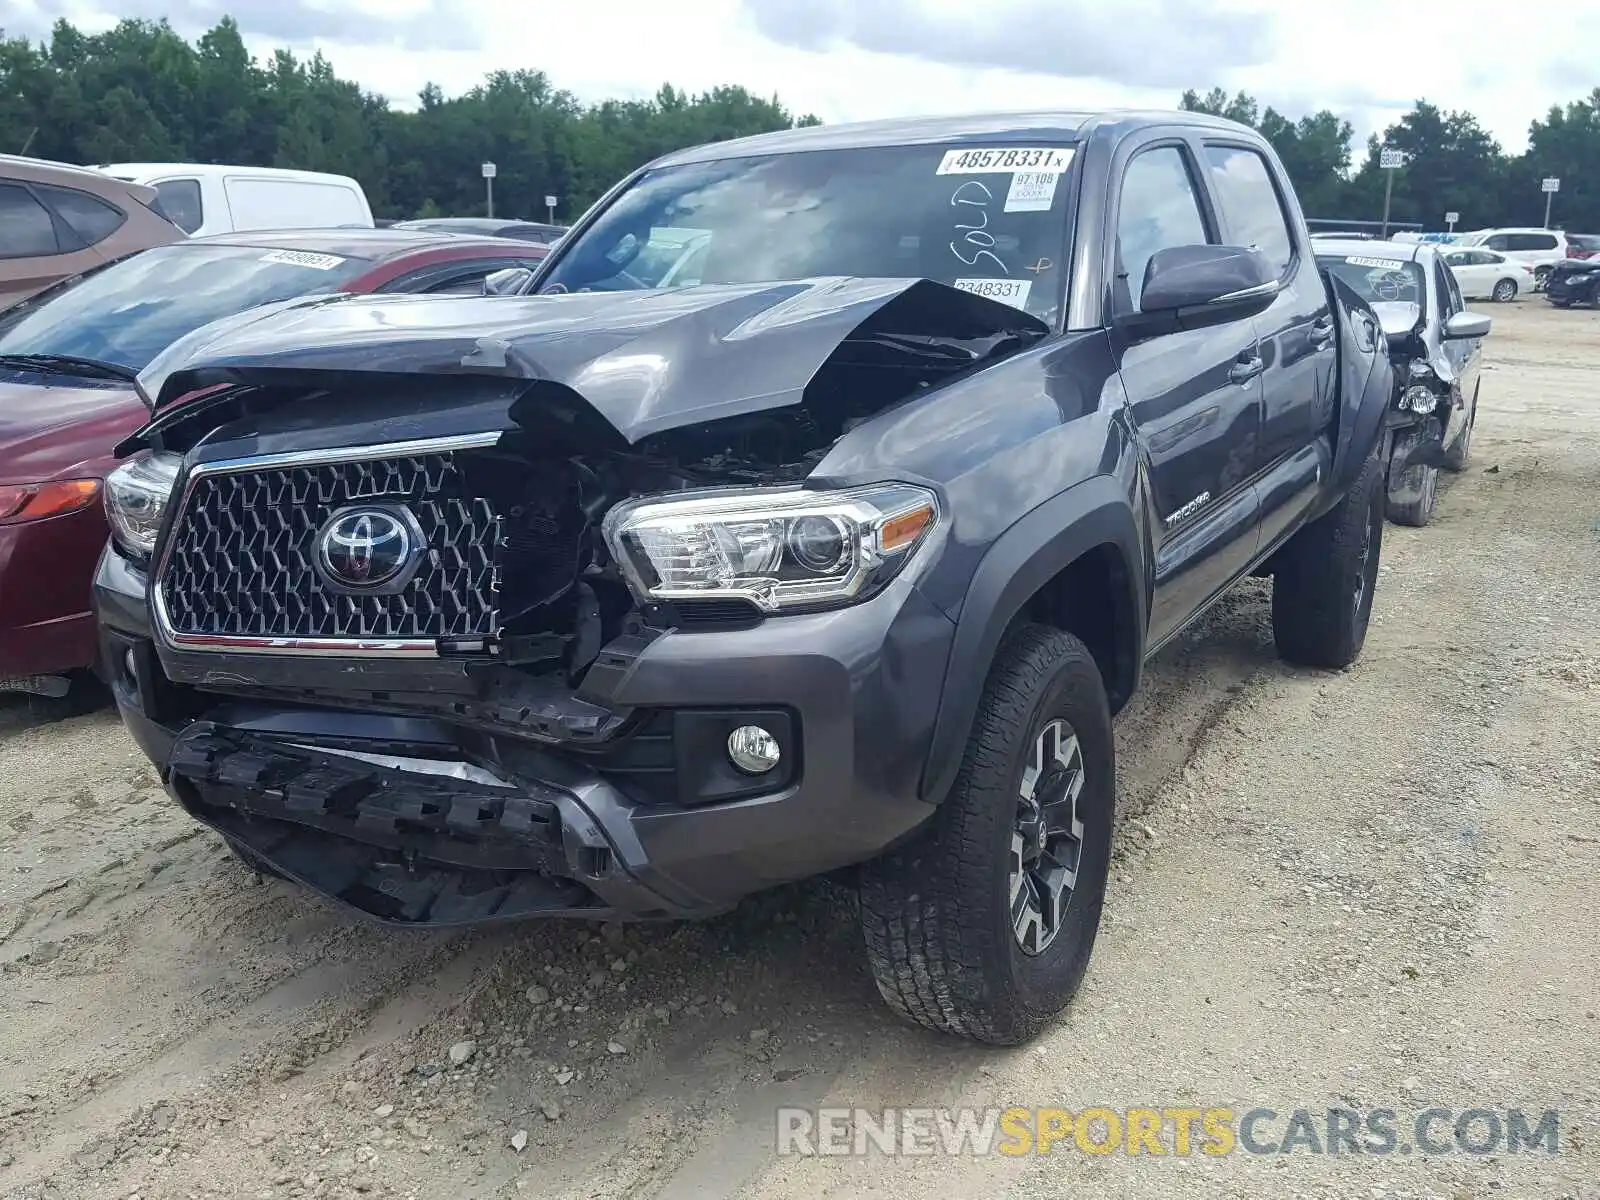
(1455, 458)
(1504, 292)
(1412, 492)
(1323, 586)
(983, 926)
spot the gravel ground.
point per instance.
(1367, 889)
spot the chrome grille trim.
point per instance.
(308, 646)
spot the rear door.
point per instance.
(1194, 396)
(1297, 343)
(37, 247)
(1471, 269)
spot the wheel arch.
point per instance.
(1072, 563)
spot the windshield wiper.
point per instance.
(70, 364)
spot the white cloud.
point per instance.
(856, 59)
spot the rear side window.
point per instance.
(90, 217)
(1251, 208)
(1158, 210)
(181, 204)
(26, 230)
(257, 203)
(1532, 241)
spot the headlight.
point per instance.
(137, 494)
(779, 550)
(1420, 400)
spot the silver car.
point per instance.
(1437, 349)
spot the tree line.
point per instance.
(139, 92)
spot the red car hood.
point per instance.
(63, 430)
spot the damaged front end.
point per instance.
(1423, 396)
(446, 532)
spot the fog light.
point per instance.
(130, 665)
(753, 750)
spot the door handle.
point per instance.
(1246, 367)
(1322, 331)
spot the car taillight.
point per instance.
(34, 501)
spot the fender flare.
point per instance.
(1020, 562)
(1366, 388)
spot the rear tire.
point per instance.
(85, 695)
(1541, 276)
(983, 926)
(1323, 586)
(1504, 292)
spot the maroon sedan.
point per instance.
(68, 360)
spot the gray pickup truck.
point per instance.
(812, 511)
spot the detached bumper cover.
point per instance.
(574, 834)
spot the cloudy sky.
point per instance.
(857, 59)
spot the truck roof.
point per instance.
(1044, 126)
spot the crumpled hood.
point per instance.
(1397, 317)
(647, 361)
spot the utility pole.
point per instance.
(1389, 161)
(1549, 187)
(489, 170)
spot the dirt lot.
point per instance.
(1369, 889)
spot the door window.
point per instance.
(1159, 208)
(181, 204)
(90, 217)
(1251, 207)
(1444, 283)
(1531, 241)
(26, 230)
(1500, 241)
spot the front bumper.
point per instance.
(1567, 289)
(622, 815)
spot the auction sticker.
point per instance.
(1032, 191)
(1005, 160)
(303, 258)
(1378, 264)
(1008, 291)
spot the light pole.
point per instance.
(489, 170)
(1389, 161)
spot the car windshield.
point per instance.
(986, 220)
(131, 310)
(1379, 280)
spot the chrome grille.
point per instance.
(241, 554)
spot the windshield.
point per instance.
(1379, 280)
(131, 310)
(987, 220)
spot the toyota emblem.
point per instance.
(362, 549)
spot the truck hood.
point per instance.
(646, 361)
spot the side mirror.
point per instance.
(1467, 325)
(1193, 286)
(509, 281)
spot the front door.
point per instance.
(1194, 398)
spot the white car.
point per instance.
(1540, 249)
(1481, 272)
